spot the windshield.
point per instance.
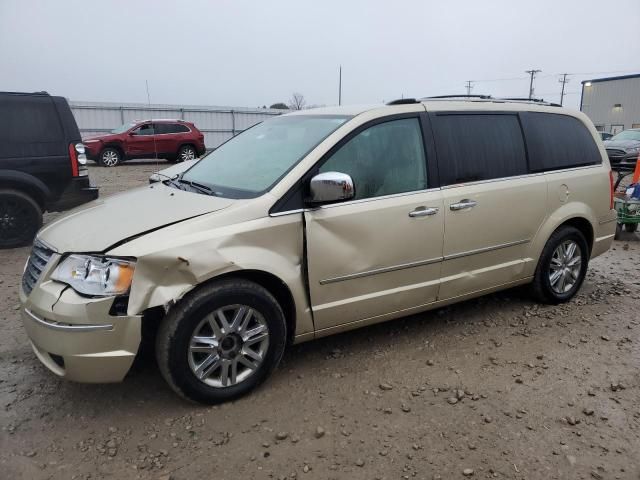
(123, 128)
(627, 135)
(252, 162)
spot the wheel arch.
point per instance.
(115, 146)
(273, 284)
(187, 143)
(584, 226)
(28, 184)
(576, 214)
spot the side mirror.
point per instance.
(331, 187)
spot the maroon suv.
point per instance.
(174, 140)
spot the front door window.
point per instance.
(384, 159)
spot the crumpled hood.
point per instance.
(98, 225)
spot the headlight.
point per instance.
(92, 275)
(632, 150)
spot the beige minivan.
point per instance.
(313, 223)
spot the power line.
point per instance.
(533, 73)
(509, 79)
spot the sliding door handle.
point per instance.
(463, 205)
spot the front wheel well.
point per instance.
(115, 146)
(584, 226)
(152, 317)
(276, 287)
(34, 192)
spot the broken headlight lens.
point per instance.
(92, 275)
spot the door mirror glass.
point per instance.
(331, 187)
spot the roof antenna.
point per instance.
(153, 126)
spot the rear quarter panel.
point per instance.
(577, 193)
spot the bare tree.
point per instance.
(297, 102)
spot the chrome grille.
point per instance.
(40, 256)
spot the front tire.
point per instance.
(20, 218)
(110, 157)
(221, 341)
(562, 266)
(630, 227)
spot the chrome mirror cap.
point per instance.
(331, 187)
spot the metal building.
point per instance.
(613, 103)
(218, 124)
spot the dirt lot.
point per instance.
(497, 387)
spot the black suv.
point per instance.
(42, 164)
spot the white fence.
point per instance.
(218, 124)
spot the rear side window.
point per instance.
(162, 128)
(29, 119)
(474, 147)
(558, 141)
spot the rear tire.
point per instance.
(193, 353)
(630, 227)
(20, 218)
(186, 152)
(560, 273)
(110, 157)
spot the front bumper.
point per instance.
(75, 337)
(92, 150)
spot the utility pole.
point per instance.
(469, 86)
(563, 81)
(340, 86)
(533, 73)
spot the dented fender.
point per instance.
(175, 260)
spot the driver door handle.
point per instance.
(423, 212)
(463, 204)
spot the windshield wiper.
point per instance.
(170, 180)
(198, 186)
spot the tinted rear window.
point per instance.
(473, 147)
(26, 119)
(162, 128)
(558, 141)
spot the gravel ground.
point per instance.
(497, 387)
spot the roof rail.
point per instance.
(489, 98)
(27, 93)
(403, 101)
(483, 97)
(539, 101)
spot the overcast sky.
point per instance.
(254, 53)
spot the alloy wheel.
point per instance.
(15, 217)
(228, 346)
(187, 153)
(109, 158)
(566, 263)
